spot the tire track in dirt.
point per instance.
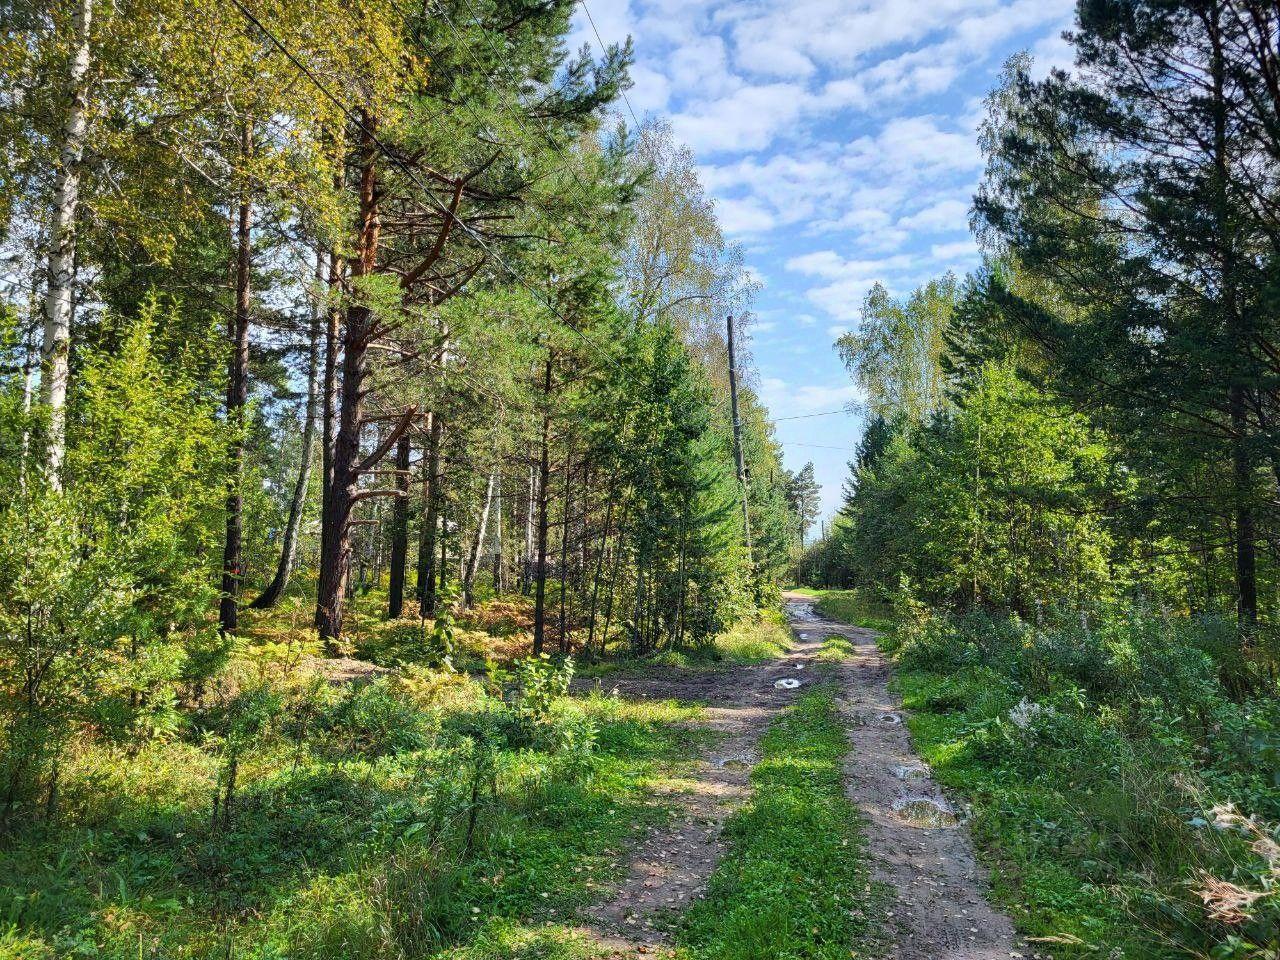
(670, 868)
(917, 841)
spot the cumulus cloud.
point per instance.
(846, 281)
(938, 217)
(783, 399)
(746, 119)
(957, 252)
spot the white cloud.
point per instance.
(837, 331)
(747, 119)
(960, 250)
(943, 215)
(651, 90)
(848, 280)
(782, 399)
(743, 216)
(1052, 52)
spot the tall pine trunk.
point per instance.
(289, 545)
(564, 550)
(58, 309)
(540, 559)
(237, 397)
(1241, 459)
(335, 555)
(399, 531)
(430, 521)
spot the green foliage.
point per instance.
(1092, 754)
(367, 822)
(854, 607)
(103, 622)
(987, 505)
(795, 883)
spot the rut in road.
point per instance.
(917, 847)
(917, 841)
(671, 867)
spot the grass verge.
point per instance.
(751, 641)
(794, 883)
(353, 855)
(1030, 828)
(836, 647)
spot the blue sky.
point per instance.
(838, 138)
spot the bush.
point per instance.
(377, 719)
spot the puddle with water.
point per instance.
(801, 611)
(927, 813)
(735, 761)
(891, 719)
(905, 771)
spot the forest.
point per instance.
(399, 560)
(346, 352)
(1067, 488)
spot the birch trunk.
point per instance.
(56, 349)
(473, 559)
(499, 582)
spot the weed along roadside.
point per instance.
(765, 859)
(414, 815)
(794, 881)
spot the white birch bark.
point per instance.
(56, 349)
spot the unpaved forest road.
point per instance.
(940, 912)
(916, 843)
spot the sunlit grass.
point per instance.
(794, 882)
(341, 856)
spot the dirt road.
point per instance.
(919, 846)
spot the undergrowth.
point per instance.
(853, 607)
(794, 882)
(416, 816)
(1097, 760)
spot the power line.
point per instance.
(815, 446)
(592, 21)
(806, 416)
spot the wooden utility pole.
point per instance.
(737, 441)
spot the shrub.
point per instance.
(376, 719)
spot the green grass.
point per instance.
(794, 882)
(751, 641)
(754, 642)
(835, 647)
(852, 607)
(1030, 829)
(353, 856)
